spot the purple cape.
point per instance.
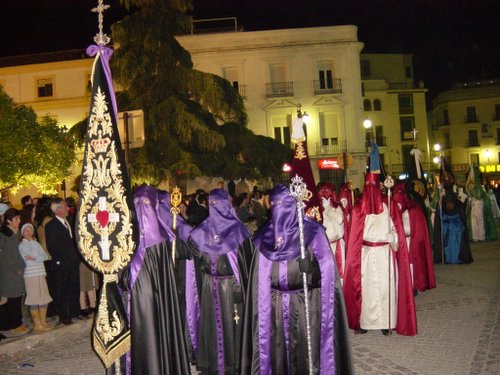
(284, 229)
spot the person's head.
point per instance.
(220, 185)
(70, 201)
(59, 207)
(27, 231)
(26, 200)
(12, 219)
(27, 214)
(43, 210)
(3, 208)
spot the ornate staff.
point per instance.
(106, 228)
(175, 201)
(298, 190)
(389, 183)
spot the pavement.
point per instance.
(458, 332)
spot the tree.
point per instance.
(32, 152)
(195, 122)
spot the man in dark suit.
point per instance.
(66, 262)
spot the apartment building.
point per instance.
(394, 103)
(466, 124)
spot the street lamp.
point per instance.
(437, 147)
(367, 124)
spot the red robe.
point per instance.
(406, 316)
(420, 250)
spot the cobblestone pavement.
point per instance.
(458, 323)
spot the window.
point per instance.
(405, 102)
(377, 106)
(407, 125)
(470, 114)
(365, 68)
(281, 129)
(379, 135)
(474, 159)
(44, 88)
(498, 136)
(408, 71)
(367, 105)
(486, 131)
(325, 75)
(446, 118)
(473, 139)
(497, 112)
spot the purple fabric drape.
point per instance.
(105, 54)
(192, 304)
(221, 231)
(151, 233)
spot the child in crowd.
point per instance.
(37, 293)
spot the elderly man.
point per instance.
(66, 262)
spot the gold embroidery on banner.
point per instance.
(101, 175)
(300, 151)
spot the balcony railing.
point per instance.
(279, 89)
(324, 88)
(406, 110)
(470, 119)
(242, 90)
(334, 148)
(402, 86)
(472, 143)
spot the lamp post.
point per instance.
(64, 130)
(367, 124)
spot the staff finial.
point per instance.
(100, 38)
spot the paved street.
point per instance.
(459, 332)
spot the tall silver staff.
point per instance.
(389, 183)
(175, 201)
(298, 190)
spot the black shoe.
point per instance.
(415, 293)
(386, 332)
(83, 317)
(360, 331)
(86, 312)
(67, 322)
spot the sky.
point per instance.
(451, 40)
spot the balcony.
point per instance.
(472, 143)
(323, 88)
(402, 86)
(406, 110)
(471, 119)
(279, 89)
(332, 148)
(242, 90)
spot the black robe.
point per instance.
(158, 346)
(221, 309)
(296, 363)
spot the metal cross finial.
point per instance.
(100, 38)
(298, 188)
(414, 131)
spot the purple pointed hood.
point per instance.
(221, 231)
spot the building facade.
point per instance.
(466, 124)
(277, 71)
(395, 105)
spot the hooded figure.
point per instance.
(377, 254)
(417, 240)
(275, 339)
(215, 298)
(335, 221)
(158, 346)
(451, 238)
(480, 220)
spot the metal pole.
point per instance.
(389, 183)
(127, 141)
(298, 190)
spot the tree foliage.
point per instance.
(195, 122)
(32, 152)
